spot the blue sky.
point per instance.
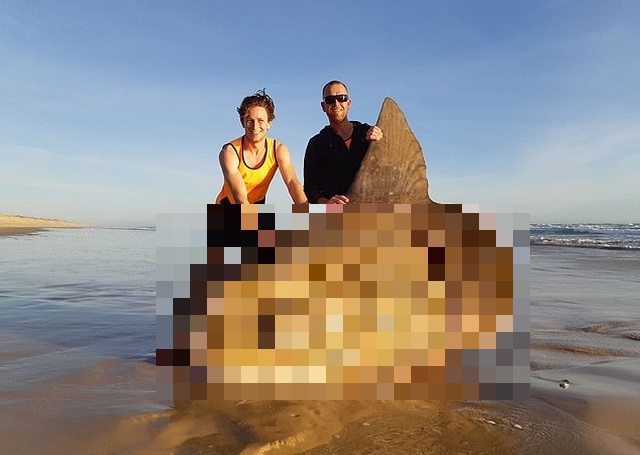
(113, 111)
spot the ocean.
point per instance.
(603, 236)
(89, 290)
(77, 335)
(585, 283)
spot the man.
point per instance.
(333, 156)
(249, 162)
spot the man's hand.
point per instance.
(338, 199)
(374, 134)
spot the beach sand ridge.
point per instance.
(18, 224)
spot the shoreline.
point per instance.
(22, 225)
(596, 415)
(69, 373)
(8, 231)
(554, 421)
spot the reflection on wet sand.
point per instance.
(110, 407)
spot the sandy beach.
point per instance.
(78, 375)
(17, 224)
(74, 414)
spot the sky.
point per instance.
(114, 111)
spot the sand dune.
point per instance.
(17, 224)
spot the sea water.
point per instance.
(585, 294)
(91, 293)
(599, 236)
(89, 290)
(77, 332)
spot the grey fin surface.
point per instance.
(394, 169)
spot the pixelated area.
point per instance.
(360, 301)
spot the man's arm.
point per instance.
(288, 173)
(229, 163)
(312, 169)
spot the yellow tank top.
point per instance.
(256, 179)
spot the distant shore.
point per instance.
(17, 224)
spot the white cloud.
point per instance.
(579, 172)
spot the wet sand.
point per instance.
(59, 399)
(17, 230)
(108, 406)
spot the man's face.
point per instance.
(337, 111)
(256, 123)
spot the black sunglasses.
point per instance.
(331, 99)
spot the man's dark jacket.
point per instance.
(329, 166)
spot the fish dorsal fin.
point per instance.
(394, 169)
